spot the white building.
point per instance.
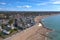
(39, 24)
(7, 32)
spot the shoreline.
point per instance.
(49, 30)
(34, 32)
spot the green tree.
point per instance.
(11, 21)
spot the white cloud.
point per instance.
(53, 2)
(42, 3)
(25, 6)
(2, 3)
(56, 2)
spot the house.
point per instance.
(7, 29)
(6, 32)
(29, 25)
(12, 27)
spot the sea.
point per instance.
(52, 22)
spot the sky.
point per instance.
(29, 5)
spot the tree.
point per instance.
(11, 21)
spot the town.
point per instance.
(14, 22)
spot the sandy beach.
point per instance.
(33, 33)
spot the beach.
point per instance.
(33, 33)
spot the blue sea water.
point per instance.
(53, 22)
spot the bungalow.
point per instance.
(12, 27)
(7, 29)
(6, 32)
